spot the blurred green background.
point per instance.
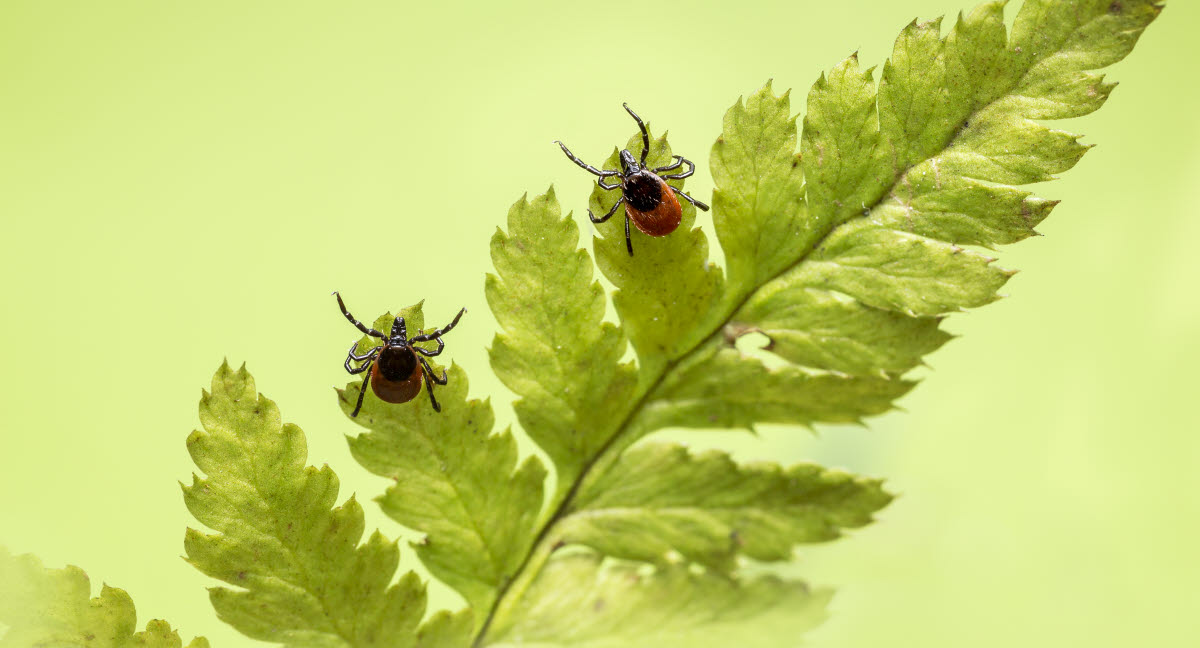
(186, 182)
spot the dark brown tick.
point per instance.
(649, 201)
(394, 370)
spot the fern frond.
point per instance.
(847, 258)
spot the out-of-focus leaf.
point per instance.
(53, 607)
(581, 602)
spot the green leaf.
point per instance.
(302, 577)
(659, 501)
(51, 607)
(898, 180)
(556, 351)
(962, 211)
(578, 601)
(666, 290)
(721, 387)
(831, 331)
(900, 272)
(452, 479)
(841, 132)
(758, 204)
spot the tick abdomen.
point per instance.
(396, 376)
(651, 204)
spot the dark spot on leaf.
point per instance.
(598, 605)
(1116, 7)
(734, 330)
(89, 636)
(241, 575)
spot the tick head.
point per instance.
(399, 336)
(629, 163)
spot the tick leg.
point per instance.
(368, 331)
(609, 214)
(672, 166)
(628, 241)
(645, 134)
(362, 391)
(439, 332)
(697, 203)
(359, 358)
(429, 387)
(438, 351)
(429, 371)
(585, 165)
(603, 185)
(685, 174)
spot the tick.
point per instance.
(649, 201)
(394, 370)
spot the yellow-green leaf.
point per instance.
(556, 351)
(300, 576)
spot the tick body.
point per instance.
(396, 375)
(649, 201)
(394, 369)
(650, 204)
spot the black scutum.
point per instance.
(643, 191)
(396, 363)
